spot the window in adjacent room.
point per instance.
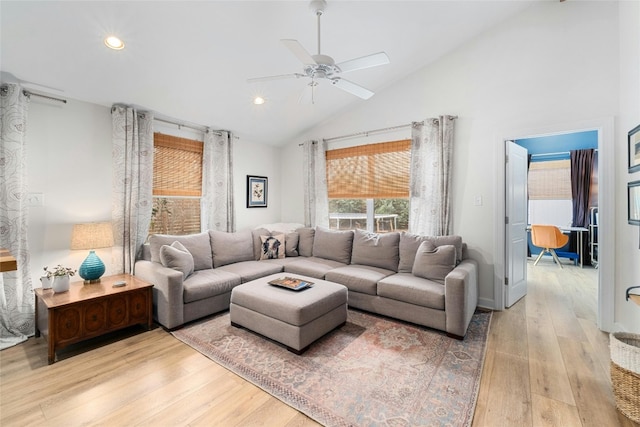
(368, 186)
(550, 192)
(177, 185)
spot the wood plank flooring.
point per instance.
(546, 365)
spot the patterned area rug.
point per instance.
(371, 371)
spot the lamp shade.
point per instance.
(92, 236)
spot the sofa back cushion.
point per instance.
(434, 262)
(305, 241)
(333, 244)
(409, 244)
(198, 246)
(228, 248)
(376, 250)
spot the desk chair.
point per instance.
(549, 238)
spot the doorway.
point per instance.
(604, 129)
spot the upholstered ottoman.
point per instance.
(293, 318)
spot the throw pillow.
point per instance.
(291, 242)
(176, 256)
(273, 247)
(433, 262)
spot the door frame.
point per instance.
(606, 208)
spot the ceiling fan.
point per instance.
(321, 66)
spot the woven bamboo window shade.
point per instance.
(373, 171)
(177, 166)
(550, 180)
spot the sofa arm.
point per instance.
(168, 303)
(460, 297)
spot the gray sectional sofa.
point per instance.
(425, 280)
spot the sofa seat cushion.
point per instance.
(208, 283)
(415, 290)
(198, 246)
(281, 261)
(251, 270)
(312, 266)
(359, 278)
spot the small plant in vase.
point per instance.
(59, 277)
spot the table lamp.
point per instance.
(93, 235)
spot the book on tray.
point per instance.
(291, 283)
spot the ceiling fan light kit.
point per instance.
(321, 66)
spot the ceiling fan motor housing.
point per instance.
(324, 67)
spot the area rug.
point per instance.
(372, 371)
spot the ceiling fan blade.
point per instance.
(299, 51)
(278, 77)
(368, 61)
(352, 88)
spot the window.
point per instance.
(549, 187)
(177, 185)
(368, 186)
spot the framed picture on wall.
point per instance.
(257, 191)
(634, 149)
(633, 190)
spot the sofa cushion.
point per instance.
(257, 241)
(411, 289)
(251, 270)
(409, 244)
(358, 278)
(433, 262)
(377, 250)
(198, 246)
(273, 247)
(177, 257)
(208, 283)
(305, 242)
(228, 248)
(291, 242)
(313, 267)
(333, 244)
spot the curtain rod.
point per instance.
(27, 93)
(562, 152)
(199, 128)
(367, 133)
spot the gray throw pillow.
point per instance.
(197, 244)
(291, 242)
(409, 244)
(333, 244)
(229, 248)
(176, 256)
(305, 241)
(376, 250)
(434, 263)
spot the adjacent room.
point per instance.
(303, 212)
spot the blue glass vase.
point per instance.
(92, 268)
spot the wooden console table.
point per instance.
(91, 310)
(7, 261)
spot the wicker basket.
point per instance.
(625, 373)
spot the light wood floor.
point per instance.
(546, 364)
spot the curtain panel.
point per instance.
(316, 200)
(217, 203)
(581, 169)
(17, 306)
(431, 171)
(132, 134)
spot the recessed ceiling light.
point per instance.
(113, 42)
(258, 100)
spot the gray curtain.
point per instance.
(17, 307)
(316, 201)
(217, 205)
(431, 171)
(581, 168)
(132, 133)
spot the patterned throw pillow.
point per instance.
(273, 247)
(177, 257)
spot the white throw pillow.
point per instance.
(177, 257)
(273, 247)
(434, 263)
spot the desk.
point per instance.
(379, 218)
(579, 231)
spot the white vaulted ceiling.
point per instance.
(189, 60)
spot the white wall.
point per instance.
(69, 161)
(554, 63)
